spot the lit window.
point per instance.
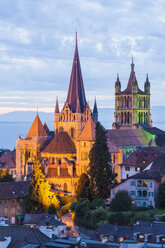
(127, 168)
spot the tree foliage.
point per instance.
(82, 190)
(40, 195)
(52, 209)
(121, 202)
(100, 171)
(161, 195)
(5, 176)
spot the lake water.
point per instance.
(10, 131)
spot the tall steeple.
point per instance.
(132, 82)
(76, 93)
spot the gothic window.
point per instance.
(52, 160)
(59, 161)
(65, 187)
(61, 129)
(72, 132)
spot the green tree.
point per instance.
(161, 195)
(121, 202)
(5, 176)
(82, 190)
(52, 209)
(40, 194)
(100, 171)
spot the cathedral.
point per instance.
(65, 151)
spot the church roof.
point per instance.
(127, 137)
(36, 129)
(76, 93)
(88, 132)
(60, 144)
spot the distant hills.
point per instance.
(106, 116)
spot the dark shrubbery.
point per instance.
(121, 202)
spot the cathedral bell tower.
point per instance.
(76, 110)
(132, 105)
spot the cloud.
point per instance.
(37, 41)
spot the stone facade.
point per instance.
(65, 151)
(132, 105)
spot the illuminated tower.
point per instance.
(132, 105)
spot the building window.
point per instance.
(72, 132)
(132, 183)
(132, 193)
(114, 158)
(127, 168)
(144, 193)
(52, 160)
(137, 168)
(150, 184)
(144, 183)
(84, 144)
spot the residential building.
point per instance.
(11, 199)
(8, 160)
(143, 186)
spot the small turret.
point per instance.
(57, 107)
(117, 85)
(95, 112)
(147, 85)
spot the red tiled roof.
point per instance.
(60, 144)
(88, 132)
(36, 129)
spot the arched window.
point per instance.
(65, 187)
(61, 129)
(72, 132)
(144, 193)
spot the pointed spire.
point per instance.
(37, 128)
(132, 85)
(78, 109)
(117, 84)
(132, 65)
(95, 111)
(76, 91)
(57, 107)
(147, 84)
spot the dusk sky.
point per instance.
(37, 41)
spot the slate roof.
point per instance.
(156, 171)
(21, 236)
(10, 190)
(111, 147)
(8, 160)
(160, 140)
(36, 129)
(76, 95)
(60, 144)
(127, 137)
(145, 154)
(115, 230)
(40, 219)
(140, 227)
(88, 132)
